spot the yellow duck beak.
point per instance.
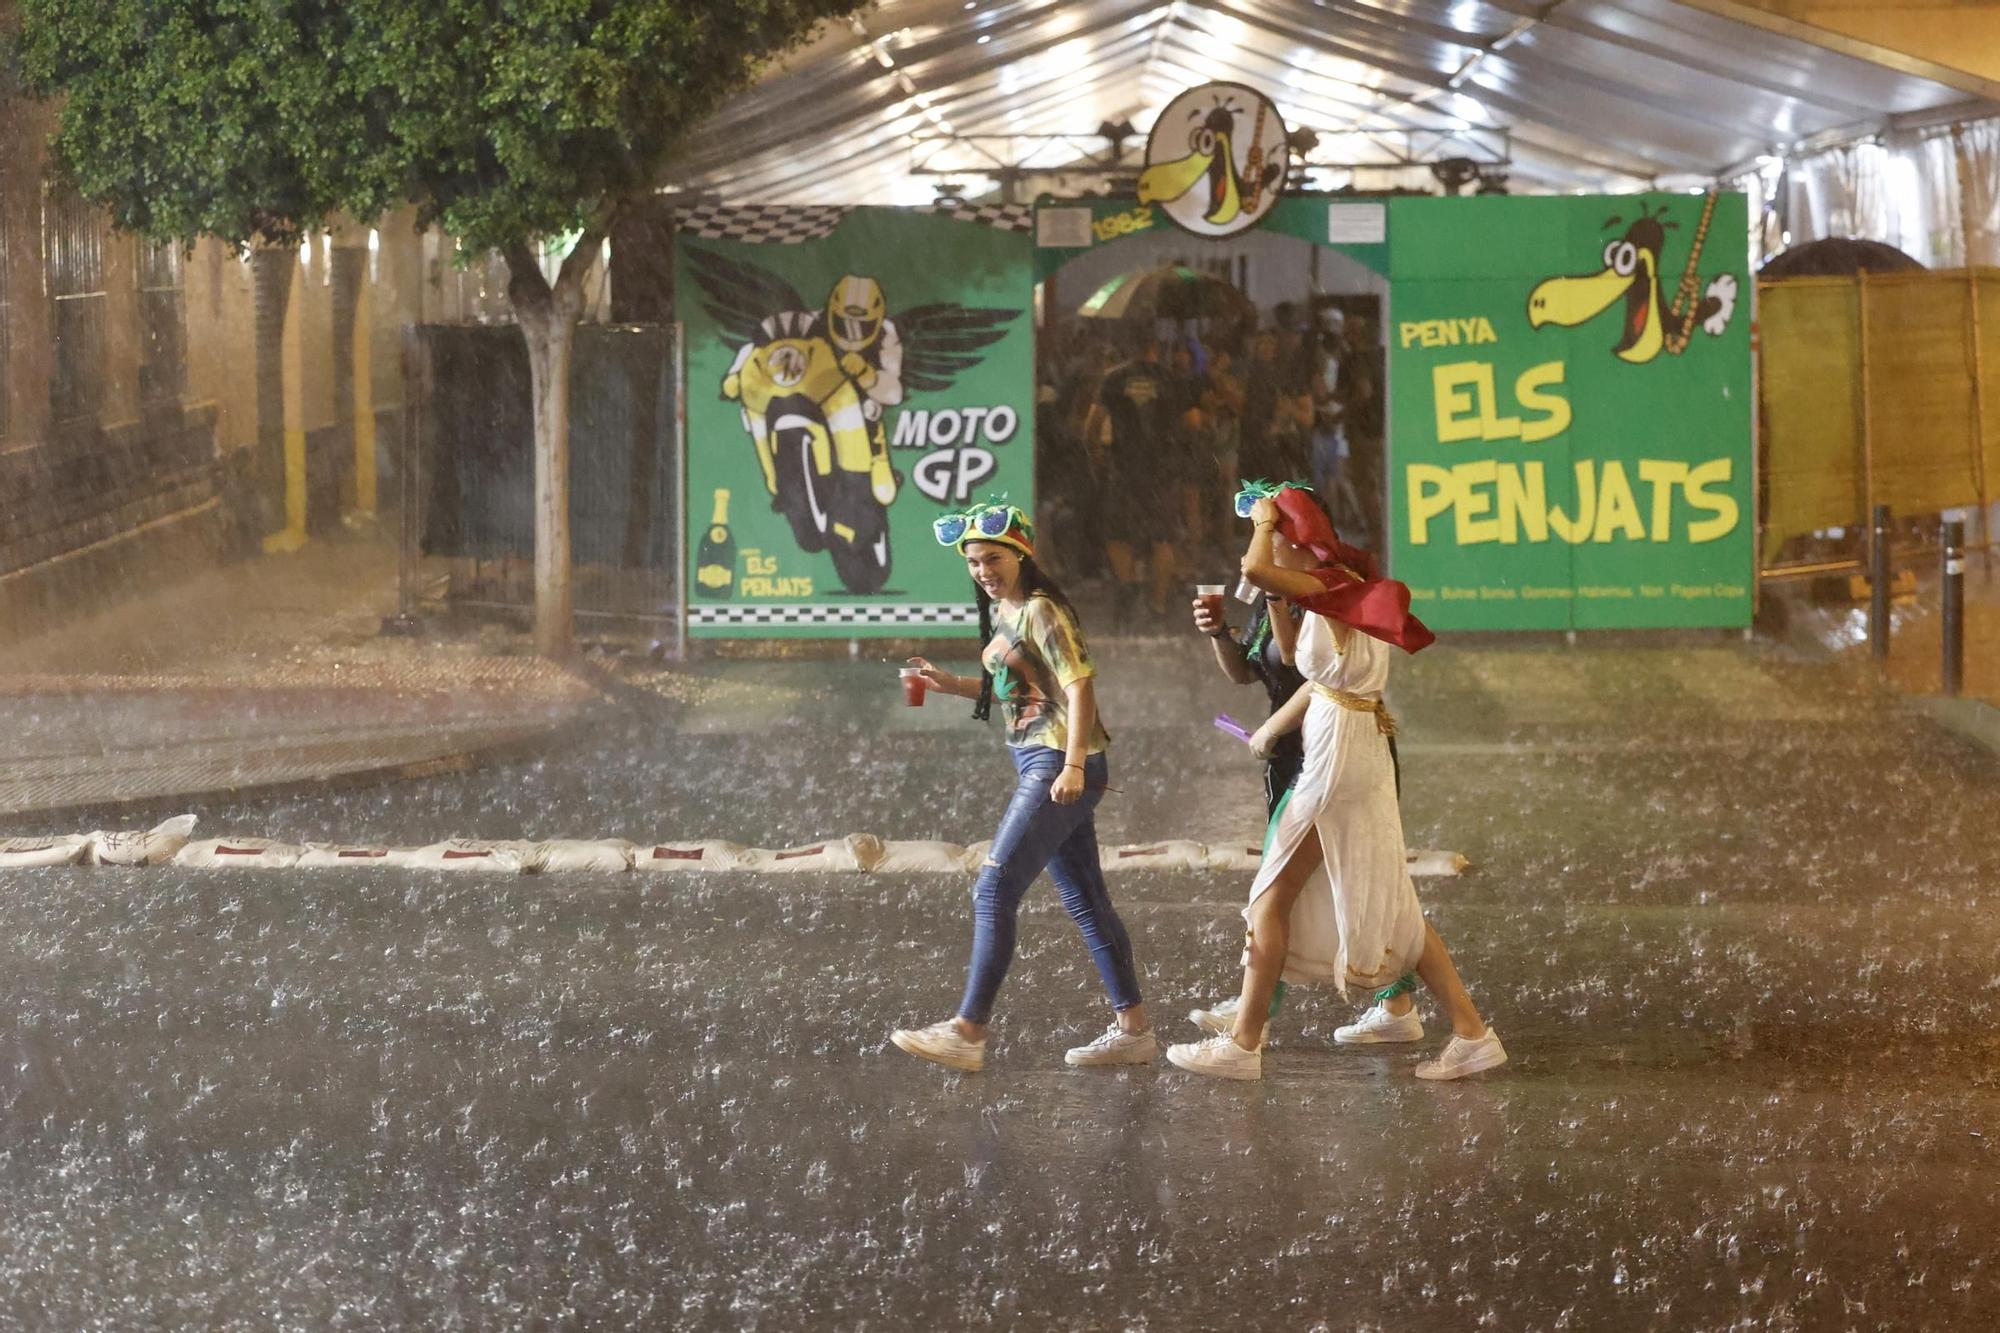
(1571, 301)
(1170, 180)
(1226, 197)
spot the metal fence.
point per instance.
(469, 497)
(73, 238)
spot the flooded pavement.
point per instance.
(1733, 912)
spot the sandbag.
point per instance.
(351, 856)
(921, 858)
(1233, 857)
(833, 854)
(669, 856)
(244, 853)
(1420, 861)
(1435, 863)
(1172, 854)
(66, 850)
(156, 846)
(474, 855)
(610, 856)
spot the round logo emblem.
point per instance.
(1216, 159)
(788, 364)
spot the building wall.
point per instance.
(145, 485)
(148, 483)
(102, 485)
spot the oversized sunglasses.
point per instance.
(990, 521)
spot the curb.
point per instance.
(461, 755)
(1974, 719)
(459, 761)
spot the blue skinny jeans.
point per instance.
(1034, 834)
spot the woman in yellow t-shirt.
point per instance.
(1034, 661)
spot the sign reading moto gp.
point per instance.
(1216, 159)
(851, 374)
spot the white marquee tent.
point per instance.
(916, 97)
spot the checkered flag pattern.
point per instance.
(761, 224)
(917, 615)
(1005, 217)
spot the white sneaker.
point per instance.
(1219, 1020)
(943, 1044)
(1116, 1046)
(1219, 1057)
(1378, 1024)
(1461, 1057)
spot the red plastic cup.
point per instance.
(913, 686)
(1210, 594)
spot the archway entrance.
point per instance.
(1172, 366)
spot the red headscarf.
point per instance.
(1356, 593)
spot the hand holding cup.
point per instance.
(1208, 617)
(930, 677)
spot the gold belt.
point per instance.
(1384, 723)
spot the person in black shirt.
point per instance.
(1272, 441)
(1185, 479)
(1128, 422)
(1358, 391)
(1263, 656)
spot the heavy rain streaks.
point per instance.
(1750, 1076)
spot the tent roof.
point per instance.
(1591, 94)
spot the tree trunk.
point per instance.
(551, 335)
(548, 316)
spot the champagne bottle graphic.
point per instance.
(715, 561)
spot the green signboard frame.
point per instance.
(793, 529)
(1571, 400)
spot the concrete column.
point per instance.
(353, 403)
(280, 472)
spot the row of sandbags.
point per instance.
(174, 841)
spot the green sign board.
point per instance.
(1570, 386)
(851, 374)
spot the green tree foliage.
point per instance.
(505, 121)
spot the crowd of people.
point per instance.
(1139, 427)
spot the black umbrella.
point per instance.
(1173, 292)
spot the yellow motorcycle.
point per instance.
(817, 448)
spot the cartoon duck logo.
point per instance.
(1216, 159)
(1632, 273)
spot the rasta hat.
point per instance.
(995, 521)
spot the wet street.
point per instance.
(1733, 912)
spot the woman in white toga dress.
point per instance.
(1333, 900)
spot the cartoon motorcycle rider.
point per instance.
(855, 323)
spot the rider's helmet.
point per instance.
(854, 313)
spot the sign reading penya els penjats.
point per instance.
(1571, 390)
(851, 375)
